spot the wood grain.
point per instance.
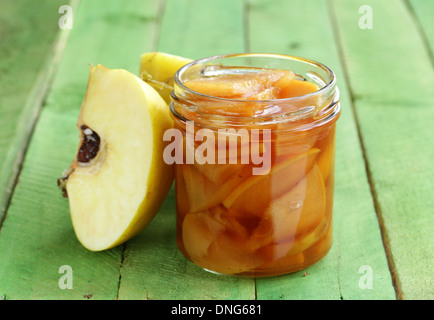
(422, 12)
(383, 176)
(37, 236)
(391, 77)
(153, 268)
(198, 29)
(305, 29)
(27, 34)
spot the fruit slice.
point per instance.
(290, 256)
(256, 193)
(118, 180)
(296, 212)
(305, 241)
(266, 94)
(200, 191)
(326, 159)
(218, 241)
(218, 173)
(158, 69)
(220, 168)
(307, 201)
(287, 263)
(182, 206)
(321, 247)
(237, 84)
(290, 87)
(203, 193)
(293, 143)
(199, 230)
(225, 86)
(229, 254)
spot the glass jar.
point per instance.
(254, 177)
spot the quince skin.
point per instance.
(158, 70)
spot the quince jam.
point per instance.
(261, 206)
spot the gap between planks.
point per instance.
(154, 46)
(420, 30)
(246, 23)
(377, 206)
(158, 22)
(31, 112)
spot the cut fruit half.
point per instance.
(118, 180)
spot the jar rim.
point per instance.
(293, 109)
(328, 86)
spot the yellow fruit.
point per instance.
(158, 69)
(118, 180)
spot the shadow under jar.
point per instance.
(254, 162)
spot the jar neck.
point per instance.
(298, 113)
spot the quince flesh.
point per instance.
(118, 180)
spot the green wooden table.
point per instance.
(382, 53)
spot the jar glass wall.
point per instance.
(254, 173)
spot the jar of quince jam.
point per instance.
(253, 148)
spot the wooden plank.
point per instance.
(377, 63)
(423, 12)
(37, 238)
(391, 76)
(305, 29)
(27, 33)
(197, 29)
(152, 267)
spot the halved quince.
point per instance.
(158, 69)
(118, 179)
